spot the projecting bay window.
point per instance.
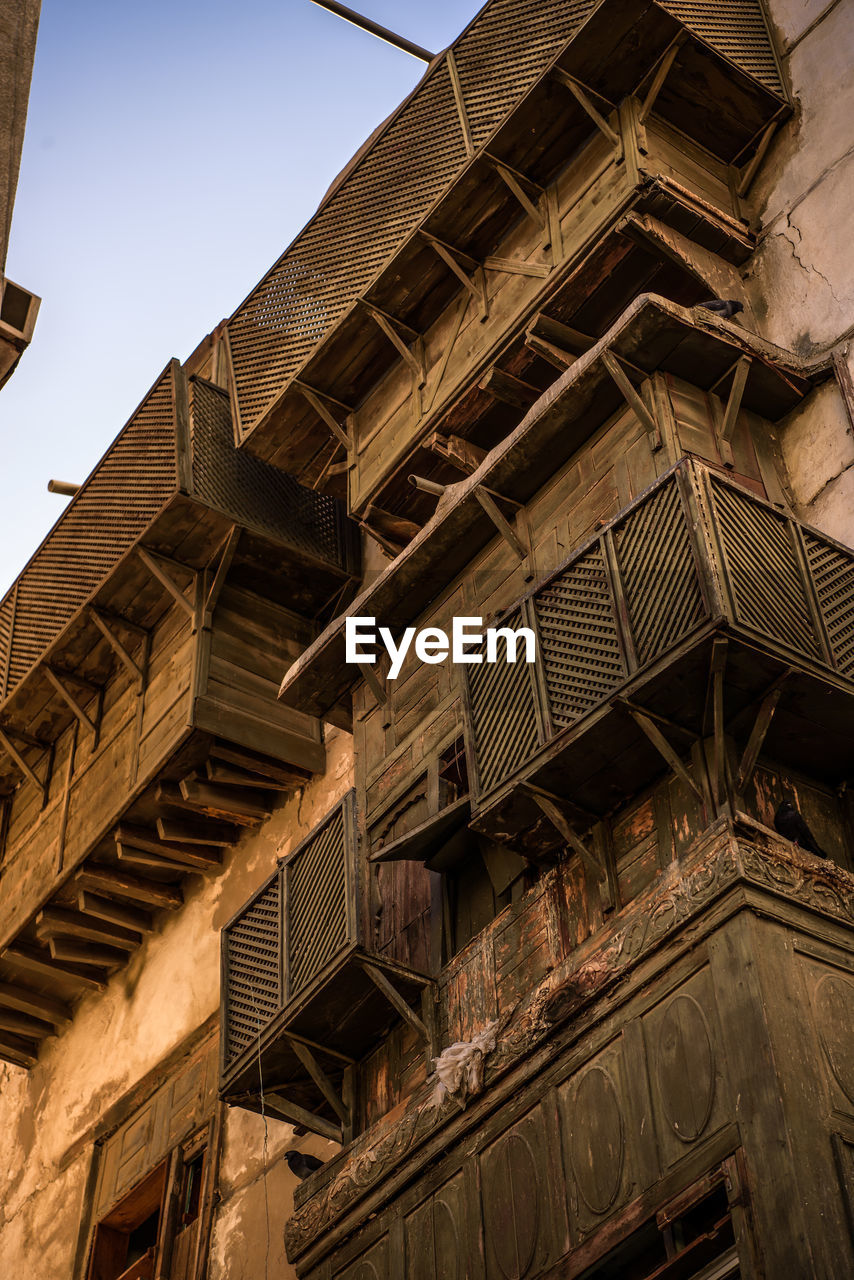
(701, 627)
(305, 995)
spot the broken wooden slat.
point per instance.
(110, 880)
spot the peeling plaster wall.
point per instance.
(801, 278)
(168, 991)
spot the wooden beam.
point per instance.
(69, 699)
(516, 267)
(115, 880)
(511, 180)
(175, 831)
(17, 1053)
(115, 643)
(324, 413)
(179, 854)
(36, 1003)
(40, 966)
(733, 404)
(453, 334)
(761, 725)
(92, 904)
(87, 953)
(162, 575)
(395, 999)
(631, 397)
(57, 922)
(320, 1078)
(461, 453)
(663, 747)
(231, 776)
(584, 102)
(284, 774)
(505, 387)
(660, 76)
(459, 98)
(23, 1025)
(561, 823)
(503, 526)
(19, 760)
(246, 808)
(142, 858)
(284, 1109)
(376, 685)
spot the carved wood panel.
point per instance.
(436, 1234)
(686, 1068)
(595, 1129)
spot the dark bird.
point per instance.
(790, 824)
(726, 307)
(302, 1164)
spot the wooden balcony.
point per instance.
(700, 611)
(302, 997)
(140, 734)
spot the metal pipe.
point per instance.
(64, 487)
(426, 486)
(382, 33)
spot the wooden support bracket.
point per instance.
(396, 1000)
(223, 565)
(562, 825)
(509, 389)
(761, 725)
(49, 968)
(513, 181)
(320, 1078)
(320, 406)
(283, 1109)
(70, 700)
(733, 404)
(373, 681)
(508, 533)
(457, 260)
(36, 1003)
(156, 565)
(29, 774)
(582, 97)
(658, 740)
(630, 395)
(718, 667)
(667, 60)
(750, 170)
(105, 624)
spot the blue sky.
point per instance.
(173, 150)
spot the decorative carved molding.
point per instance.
(726, 854)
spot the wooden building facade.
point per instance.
(535, 958)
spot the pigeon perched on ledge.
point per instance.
(725, 307)
(302, 1164)
(790, 824)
